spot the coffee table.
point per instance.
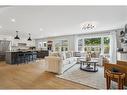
(90, 66)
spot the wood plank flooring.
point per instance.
(32, 76)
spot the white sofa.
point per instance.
(60, 62)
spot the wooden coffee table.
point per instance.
(90, 66)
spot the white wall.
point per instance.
(70, 38)
(5, 37)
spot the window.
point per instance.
(92, 41)
(92, 45)
(98, 45)
(80, 45)
(61, 45)
(64, 45)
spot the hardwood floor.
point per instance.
(32, 76)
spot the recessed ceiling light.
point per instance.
(41, 29)
(0, 27)
(13, 20)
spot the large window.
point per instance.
(92, 45)
(98, 44)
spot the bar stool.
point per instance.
(26, 58)
(30, 56)
(34, 56)
(19, 58)
(120, 77)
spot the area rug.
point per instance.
(93, 79)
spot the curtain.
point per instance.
(113, 47)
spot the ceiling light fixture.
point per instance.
(88, 25)
(13, 20)
(0, 27)
(41, 29)
(17, 37)
(29, 39)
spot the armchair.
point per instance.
(121, 66)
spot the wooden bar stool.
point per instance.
(118, 76)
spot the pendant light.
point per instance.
(29, 39)
(17, 37)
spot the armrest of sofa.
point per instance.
(53, 64)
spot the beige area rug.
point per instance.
(92, 79)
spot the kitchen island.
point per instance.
(17, 57)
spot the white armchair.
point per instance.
(53, 64)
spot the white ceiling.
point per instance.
(58, 20)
